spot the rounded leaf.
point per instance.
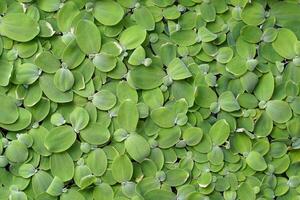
(9, 111)
(97, 161)
(128, 115)
(64, 134)
(108, 13)
(219, 132)
(16, 152)
(146, 78)
(133, 36)
(122, 169)
(228, 102)
(224, 55)
(177, 70)
(79, 118)
(284, 43)
(256, 161)
(63, 79)
(253, 14)
(62, 166)
(176, 177)
(133, 146)
(104, 100)
(92, 43)
(95, 133)
(279, 111)
(19, 27)
(105, 62)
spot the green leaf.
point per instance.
(164, 117)
(264, 89)
(176, 177)
(97, 161)
(16, 152)
(133, 146)
(133, 36)
(105, 62)
(224, 55)
(62, 166)
(26, 170)
(284, 43)
(103, 192)
(56, 187)
(108, 13)
(192, 135)
(263, 125)
(95, 133)
(5, 73)
(159, 194)
(205, 96)
(49, 89)
(64, 134)
(63, 79)
(279, 111)
(145, 78)
(253, 14)
(177, 70)
(256, 161)
(19, 27)
(40, 182)
(219, 132)
(104, 100)
(228, 102)
(9, 111)
(66, 15)
(144, 18)
(92, 43)
(79, 118)
(128, 115)
(122, 169)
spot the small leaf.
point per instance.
(178, 70)
(19, 27)
(97, 161)
(145, 78)
(219, 132)
(95, 133)
(279, 111)
(228, 102)
(79, 119)
(284, 43)
(16, 152)
(64, 134)
(128, 115)
(224, 55)
(108, 13)
(9, 111)
(63, 79)
(104, 100)
(105, 62)
(256, 161)
(122, 169)
(253, 14)
(133, 147)
(92, 43)
(176, 177)
(133, 36)
(62, 166)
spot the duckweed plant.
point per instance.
(149, 100)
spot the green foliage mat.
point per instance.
(149, 99)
